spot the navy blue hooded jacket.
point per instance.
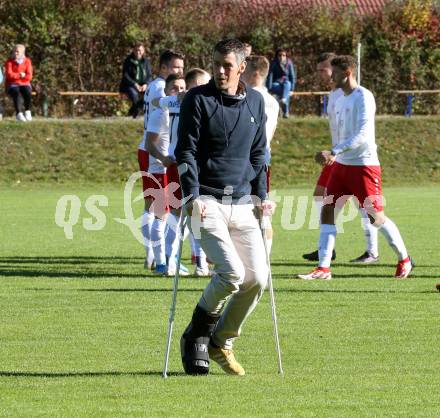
(221, 143)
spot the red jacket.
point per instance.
(13, 70)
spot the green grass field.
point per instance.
(83, 326)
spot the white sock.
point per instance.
(172, 239)
(370, 232)
(327, 239)
(147, 221)
(158, 240)
(392, 235)
(171, 232)
(192, 244)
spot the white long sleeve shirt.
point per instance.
(331, 112)
(172, 105)
(158, 123)
(155, 90)
(271, 108)
(356, 142)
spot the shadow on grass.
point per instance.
(139, 260)
(79, 274)
(115, 290)
(86, 374)
(87, 274)
(70, 260)
(312, 264)
(393, 291)
(277, 290)
(31, 267)
(366, 275)
(74, 267)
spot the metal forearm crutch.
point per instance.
(182, 223)
(263, 221)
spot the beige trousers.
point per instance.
(231, 238)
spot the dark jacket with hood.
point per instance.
(221, 143)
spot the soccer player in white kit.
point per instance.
(156, 196)
(194, 77)
(356, 170)
(371, 253)
(257, 69)
(170, 62)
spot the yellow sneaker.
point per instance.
(226, 360)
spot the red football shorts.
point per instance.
(174, 190)
(143, 160)
(325, 175)
(157, 191)
(363, 182)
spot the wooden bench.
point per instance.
(3, 100)
(322, 94)
(410, 96)
(75, 94)
(323, 99)
(309, 93)
(90, 93)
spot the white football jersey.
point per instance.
(158, 123)
(356, 141)
(331, 112)
(272, 109)
(155, 90)
(172, 105)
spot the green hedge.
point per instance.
(80, 44)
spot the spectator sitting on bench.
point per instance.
(281, 79)
(136, 74)
(18, 72)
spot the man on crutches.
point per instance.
(221, 157)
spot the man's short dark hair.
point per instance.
(344, 62)
(167, 56)
(326, 56)
(280, 50)
(172, 78)
(258, 63)
(193, 74)
(226, 46)
(138, 45)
